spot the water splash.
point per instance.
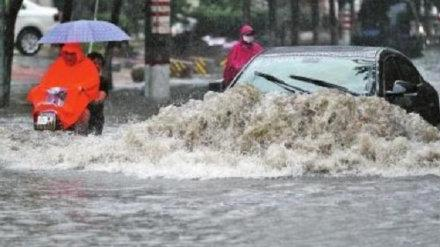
(242, 133)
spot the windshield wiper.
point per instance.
(323, 84)
(279, 82)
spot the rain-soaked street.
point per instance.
(181, 179)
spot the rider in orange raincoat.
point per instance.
(75, 73)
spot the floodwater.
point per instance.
(320, 170)
(78, 208)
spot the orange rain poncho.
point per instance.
(80, 80)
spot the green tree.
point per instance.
(224, 18)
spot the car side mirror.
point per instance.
(400, 88)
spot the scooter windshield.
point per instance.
(56, 96)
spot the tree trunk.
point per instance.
(427, 20)
(315, 21)
(107, 72)
(10, 15)
(353, 12)
(272, 20)
(294, 6)
(333, 23)
(247, 11)
(67, 11)
(4, 86)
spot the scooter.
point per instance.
(48, 119)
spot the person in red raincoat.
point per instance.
(77, 75)
(240, 54)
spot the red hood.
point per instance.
(74, 48)
(246, 29)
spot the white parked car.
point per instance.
(33, 21)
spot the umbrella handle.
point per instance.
(95, 17)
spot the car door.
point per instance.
(392, 72)
(424, 98)
(420, 97)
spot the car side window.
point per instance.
(408, 72)
(390, 73)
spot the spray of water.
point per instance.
(242, 133)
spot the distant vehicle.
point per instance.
(391, 23)
(33, 21)
(367, 71)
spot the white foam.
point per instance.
(242, 133)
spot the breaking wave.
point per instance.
(242, 133)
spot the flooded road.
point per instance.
(203, 176)
(86, 209)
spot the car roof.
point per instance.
(331, 51)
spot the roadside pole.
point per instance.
(4, 84)
(157, 50)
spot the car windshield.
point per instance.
(356, 75)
